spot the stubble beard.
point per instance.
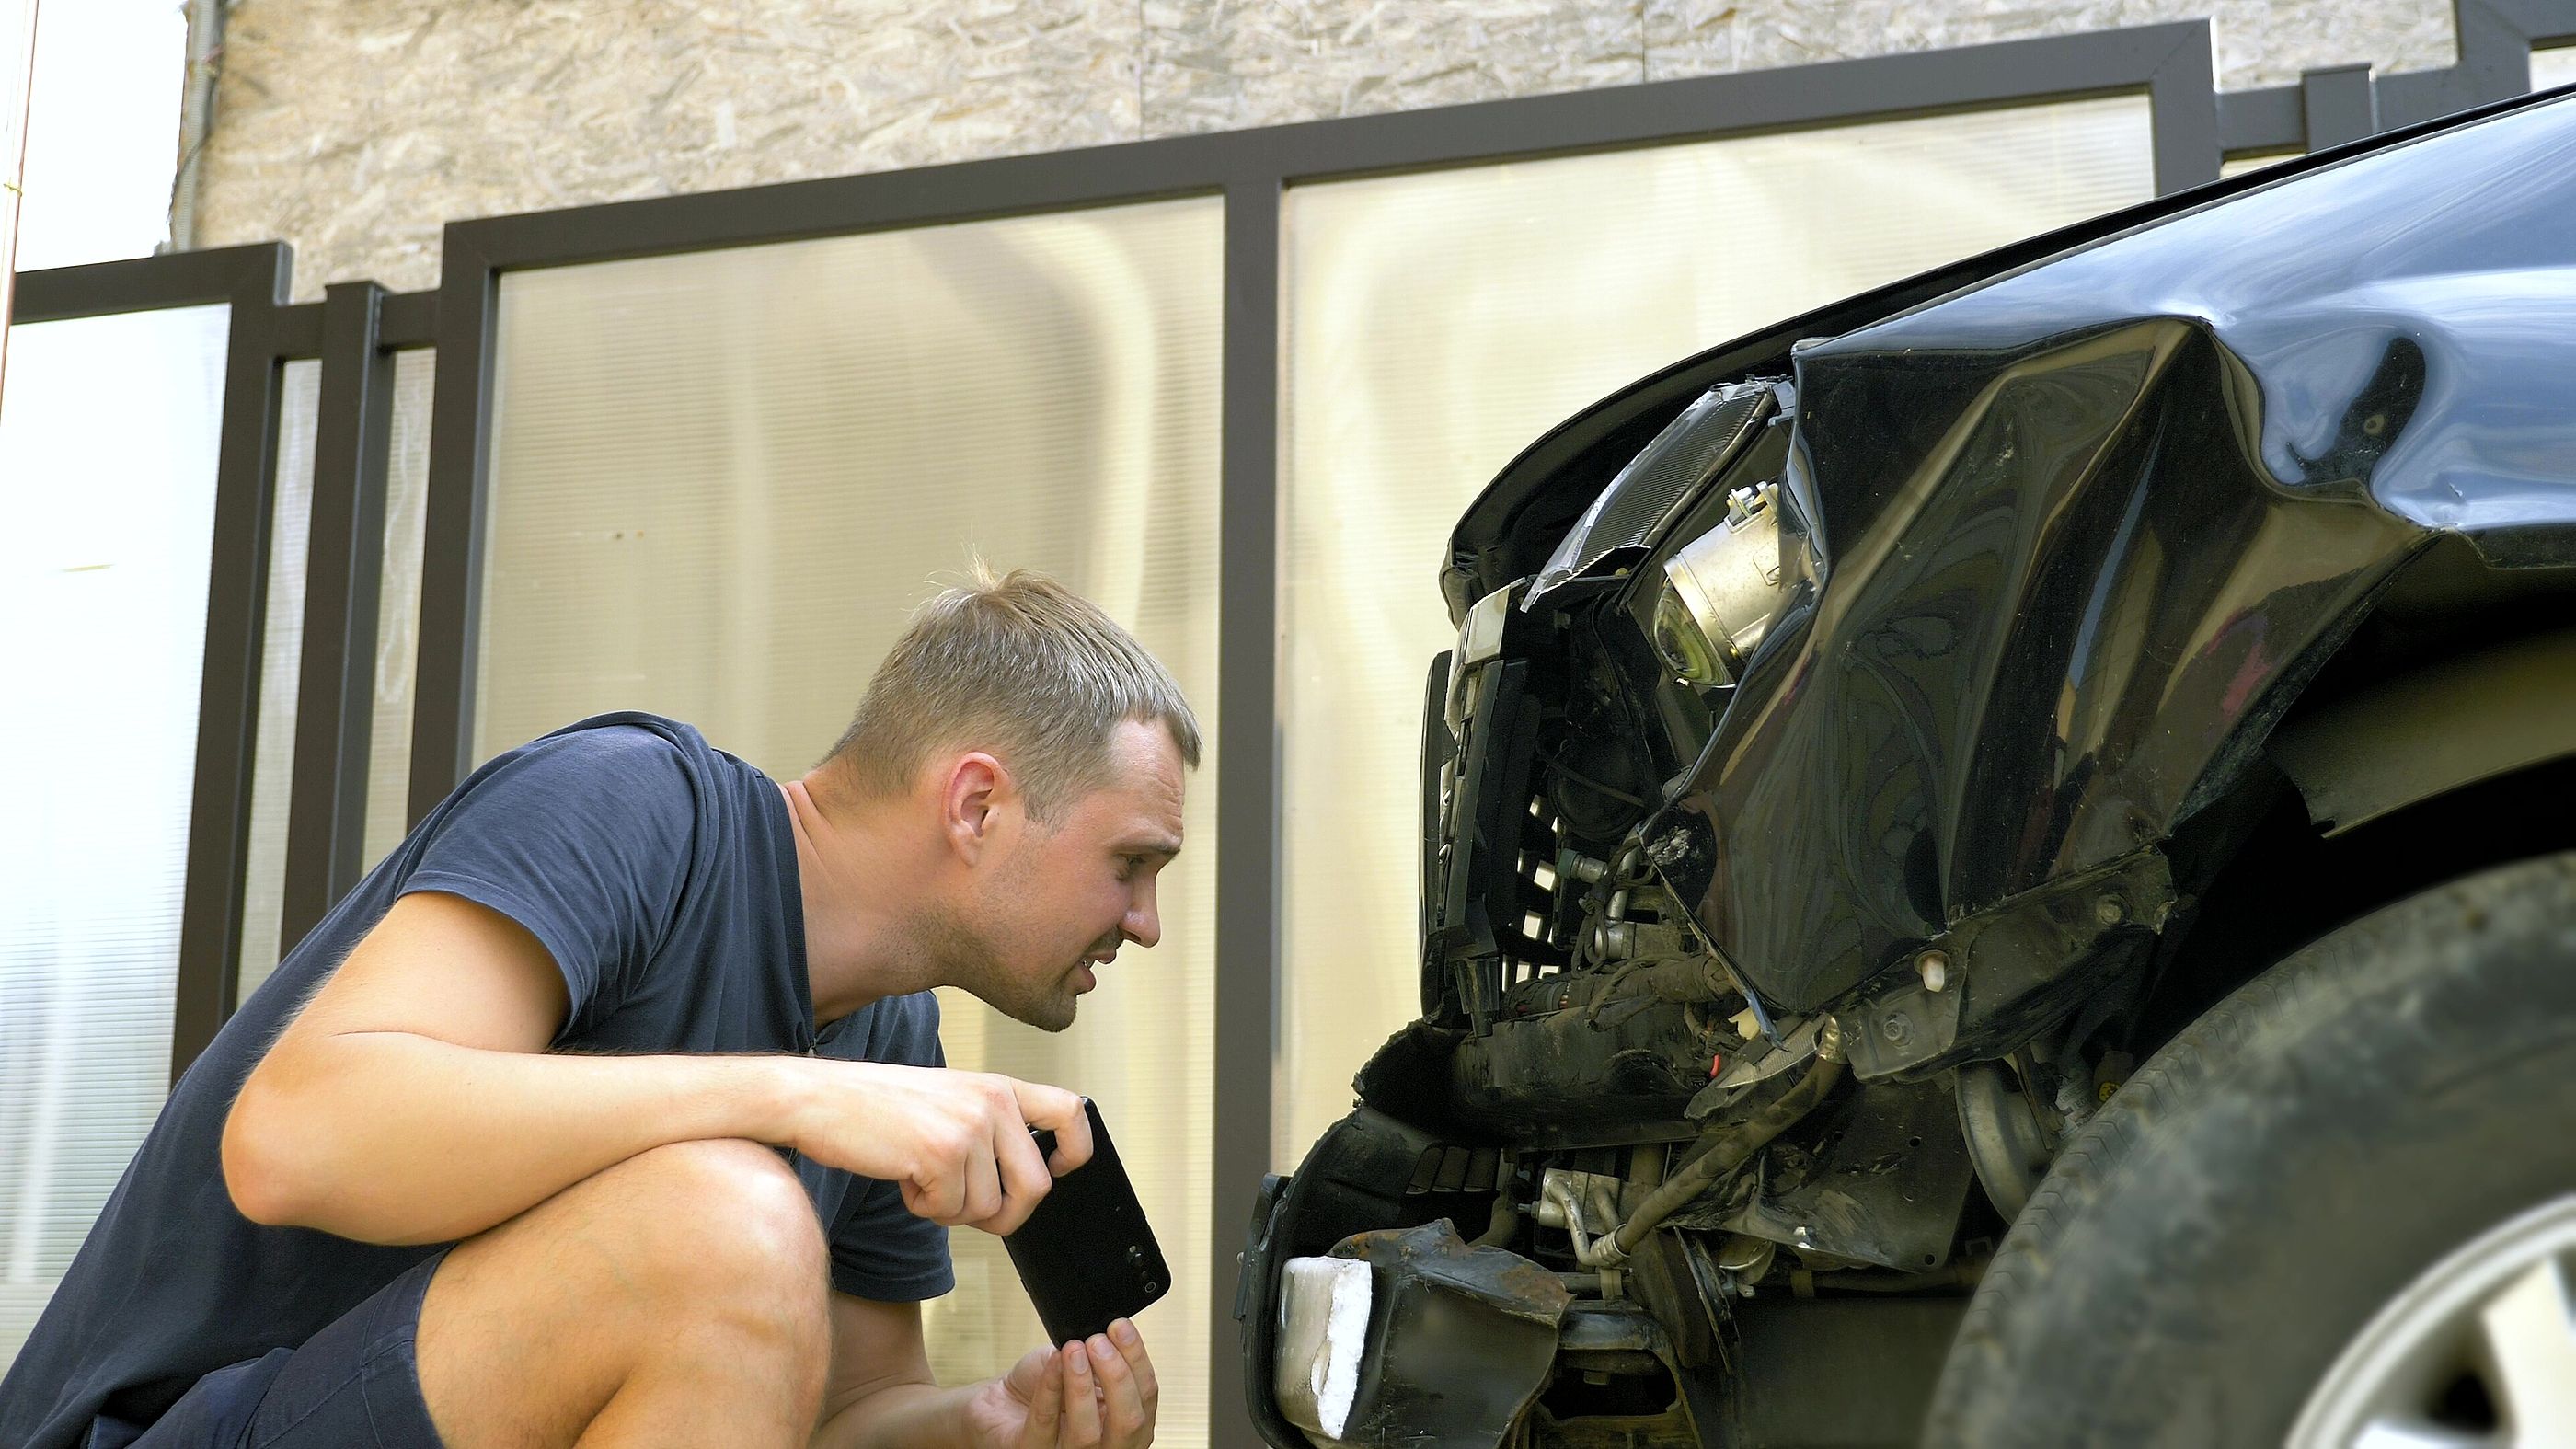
(975, 961)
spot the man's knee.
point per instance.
(722, 1218)
(698, 1267)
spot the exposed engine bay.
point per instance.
(1674, 1149)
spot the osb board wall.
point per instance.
(355, 128)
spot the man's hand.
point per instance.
(957, 1142)
(1100, 1393)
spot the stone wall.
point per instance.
(354, 128)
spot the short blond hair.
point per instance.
(1018, 665)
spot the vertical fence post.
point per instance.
(344, 570)
(228, 693)
(1248, 814)
(451, 559)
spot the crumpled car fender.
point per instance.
(2079, 536)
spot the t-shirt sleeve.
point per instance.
(879, 1249)
(584, 839)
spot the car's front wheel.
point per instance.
(2341, 1206)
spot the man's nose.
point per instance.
(1144, 925)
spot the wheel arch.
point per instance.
(2439, 741)
(2446, 724)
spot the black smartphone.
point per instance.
(1087, 1256)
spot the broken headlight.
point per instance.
(1720, 591)
(1702, 538)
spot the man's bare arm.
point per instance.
(409, 1103)
(413, 1100)
(881, 1394)
(881, 1390)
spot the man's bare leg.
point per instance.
(676, 1298)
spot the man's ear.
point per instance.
(975, 794)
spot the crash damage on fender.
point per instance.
(1845, 729)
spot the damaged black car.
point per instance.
(1995, 867)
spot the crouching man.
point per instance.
(610, 1107)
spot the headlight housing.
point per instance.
(1686, 508)
(1720, 591)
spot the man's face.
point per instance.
(1060, 900)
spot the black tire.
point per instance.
(2214, 1237)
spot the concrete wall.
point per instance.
(354, 128)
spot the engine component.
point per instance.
(2006, 1140)
(1617, 940)
(1723, 1149)
(1577, 866)
(1555, 1075)
(1742, 1075)
(1885, 1189)
(1746, 1256)
(1582, 1203)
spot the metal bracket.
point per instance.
(2008, 967)
(1748, 1072)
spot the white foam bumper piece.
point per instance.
(1323, 1327)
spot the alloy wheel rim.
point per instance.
(2480, 1349)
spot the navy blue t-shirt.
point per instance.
(661, 874)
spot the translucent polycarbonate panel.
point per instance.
(107, 450)
(720, 482)
(1437, 324)
(2553, 67)
(272, 778)
(398, 607)
(2239, 165)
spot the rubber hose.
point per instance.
(1729, 1147)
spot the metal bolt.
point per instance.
(1934, 966)
(1896, 1028)
(2108, 911)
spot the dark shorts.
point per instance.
(354, 1385)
